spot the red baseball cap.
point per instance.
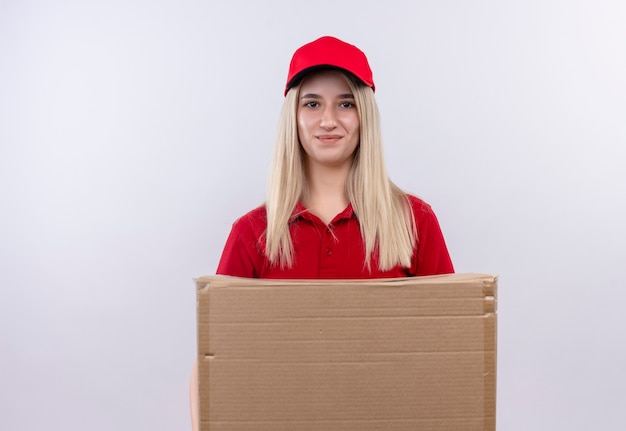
(328, 52)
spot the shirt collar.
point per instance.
(300, 211)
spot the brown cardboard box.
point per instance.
(393, 355)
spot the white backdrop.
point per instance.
(133, 133)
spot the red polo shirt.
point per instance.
(329, 251)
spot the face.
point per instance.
(328, 122)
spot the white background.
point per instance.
(133, 133)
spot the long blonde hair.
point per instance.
(383, 210)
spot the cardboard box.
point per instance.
(393, 355)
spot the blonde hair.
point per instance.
(383, 210)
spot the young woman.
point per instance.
(331, 210)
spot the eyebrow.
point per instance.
(317, 96)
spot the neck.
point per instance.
(325, 194)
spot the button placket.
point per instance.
(328, 263)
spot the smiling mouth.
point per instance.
(329, 138)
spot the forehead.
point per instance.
(325, 81)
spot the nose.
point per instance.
(328, 119)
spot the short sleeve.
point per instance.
(242, 255)
(431, 256)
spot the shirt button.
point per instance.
(329, 251)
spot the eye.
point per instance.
(347, 104)
(311, 104)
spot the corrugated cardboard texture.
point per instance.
(394, 355)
